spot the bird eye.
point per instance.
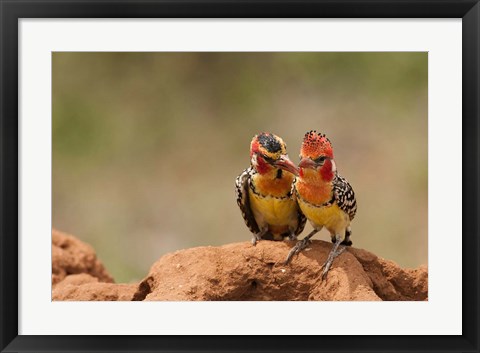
(320, 159)
(268, 159)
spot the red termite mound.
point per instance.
(237, 271)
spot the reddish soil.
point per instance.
(71, 256)
(238, 271)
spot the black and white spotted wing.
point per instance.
(242, 185)
(344, 196)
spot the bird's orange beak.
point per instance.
(286, 164)
(307, 163)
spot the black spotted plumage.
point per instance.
(344, 196)
(302, 220)
(242, 185)
(269, 142)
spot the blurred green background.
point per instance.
(146, 146)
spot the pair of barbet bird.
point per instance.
(276, 197)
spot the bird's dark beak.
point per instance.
(286, 164)
(307, 163)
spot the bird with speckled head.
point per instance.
(324, 197)
(265, 194)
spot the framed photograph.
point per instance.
(231, 176)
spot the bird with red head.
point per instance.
(324, 197)
(265, 191)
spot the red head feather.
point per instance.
(316, 145)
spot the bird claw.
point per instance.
(328, 263)
(302, 244)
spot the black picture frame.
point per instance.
(11, 11)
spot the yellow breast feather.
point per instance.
(330, 217)
(273, 211)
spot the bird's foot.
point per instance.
(328, 263)
(346, 242)
(302, 244)
(292, 237)
(259, 236)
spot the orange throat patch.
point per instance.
(313, 189)
(269, 185)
